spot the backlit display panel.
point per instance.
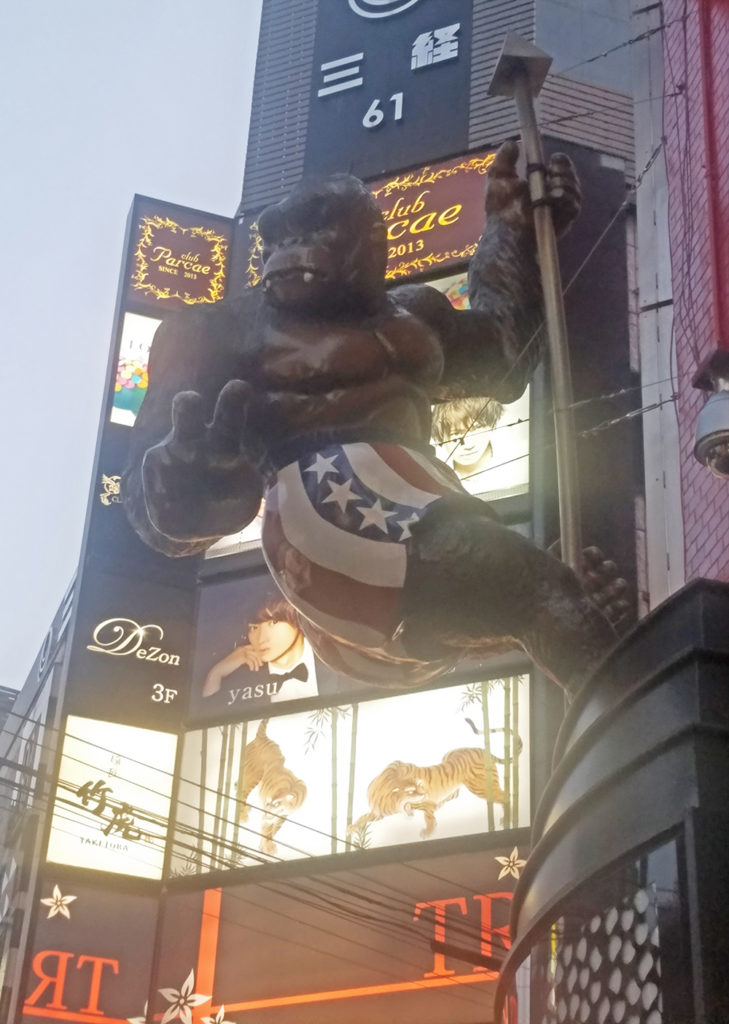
(112, 804)
(130, 385)
(250, 653)
(445, 762)
(484, 442)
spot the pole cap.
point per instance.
(519, 55)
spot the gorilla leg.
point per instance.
(471, 584)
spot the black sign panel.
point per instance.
(130, 661)
(112, 543)
(91, 954)
(418, 942)
(390, 84)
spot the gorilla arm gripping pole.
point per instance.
(520, 71)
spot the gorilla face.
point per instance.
(324, 247)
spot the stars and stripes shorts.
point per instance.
(336, 537)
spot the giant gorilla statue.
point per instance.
(314, 390)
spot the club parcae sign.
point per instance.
(380, 8)
(120, 637)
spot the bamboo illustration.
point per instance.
(239, 786)
(333, 829)
(203, 793)
(228, 798)
(515, 759)
(352, 760)
(218, 819)
(487, 749)
(508, 816)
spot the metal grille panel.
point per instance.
(606, 971)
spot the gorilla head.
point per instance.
(324, 247)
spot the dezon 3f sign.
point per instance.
(121, 637)
(130, 660)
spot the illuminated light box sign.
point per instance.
(452, 761)
(112, 805)
(91, 953)
(131, 381)
(179, 257)
(434, 217)
(418, 942)
(484, 442)
(130, 658)
(250, 654)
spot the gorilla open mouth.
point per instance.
(292, 275)
(296, 269)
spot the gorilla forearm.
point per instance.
(504, 287)
(493, 347)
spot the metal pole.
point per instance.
(564, 430)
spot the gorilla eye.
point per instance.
(271, 225)
(306, 218)
(318, 213)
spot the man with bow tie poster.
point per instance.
(274, 663)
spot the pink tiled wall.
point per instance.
(695, 195)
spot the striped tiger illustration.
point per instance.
(409, 788)
(280, 792)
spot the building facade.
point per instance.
(203, 831)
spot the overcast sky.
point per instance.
(100, 100)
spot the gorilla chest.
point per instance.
(312, 358)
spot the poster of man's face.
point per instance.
(250, 652)
(485, 442)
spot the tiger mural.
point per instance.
(409, 788)
(280, 792)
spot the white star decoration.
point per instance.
(218, 1018)
(511, 864)
(182, 1001)
(374, 515)
(405, 525)
(342, 494)
(321, 466)
(58, 903)
(139, 1020)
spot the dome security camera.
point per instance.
(711, 447)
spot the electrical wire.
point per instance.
(620, 46)
(590, 254)
(607, 423)
(143, 860)
(162, 822)
(381, 921)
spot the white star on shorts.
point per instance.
(405, 525)
(321, 466)
(374, 515)
(342, 494)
